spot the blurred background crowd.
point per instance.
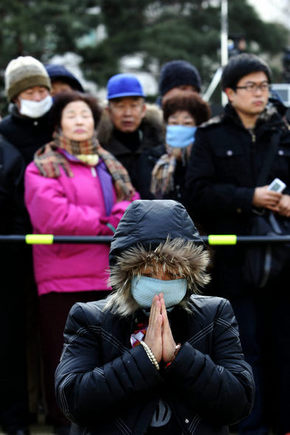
(105, 102)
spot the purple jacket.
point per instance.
(70, 206)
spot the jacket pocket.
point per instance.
(230, 164)
(281, 165)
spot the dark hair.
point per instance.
(64, 98)
(241, 65)
(189, 101)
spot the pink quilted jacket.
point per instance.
(69, 206)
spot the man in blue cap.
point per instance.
(126, 102)
(131, 130)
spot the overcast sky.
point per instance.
(272, 10)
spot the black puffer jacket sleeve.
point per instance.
(220, 386)
(86, 388)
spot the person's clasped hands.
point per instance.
(159, 336)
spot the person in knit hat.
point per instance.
(27, 87)
(62, 80)
(178, 74)
(23, 73)
(27, 127)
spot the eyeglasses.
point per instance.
(253, 87)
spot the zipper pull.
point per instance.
(253, 136)
(93, 171)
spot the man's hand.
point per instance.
(168, 343)
(153, 336)
(284, 206)
(263, 197)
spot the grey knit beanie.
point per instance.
(177, 73)
(22, 73)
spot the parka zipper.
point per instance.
(253, 136)
(252, 152)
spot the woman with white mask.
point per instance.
(183, 111)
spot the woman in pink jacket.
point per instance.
(74, 187)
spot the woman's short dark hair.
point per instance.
(185, 100)
(241, 65)
(64, 98)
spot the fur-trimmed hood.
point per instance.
(154, 233)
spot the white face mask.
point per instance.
(35, 109)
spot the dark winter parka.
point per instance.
(222, 175)
(26, 134)
(11, 188)
(108, 387)
(12, 221)
(12, 208)
(138, 151)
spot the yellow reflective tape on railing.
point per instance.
(225, 239)
(39, 239)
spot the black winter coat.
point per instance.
(13, 220)
(11, 188)
(222, 174)
(107, 387)
(27, 134)
(138, 152)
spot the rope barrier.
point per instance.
(212, 239)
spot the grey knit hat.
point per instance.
(22, 73)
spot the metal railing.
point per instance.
(212, 239)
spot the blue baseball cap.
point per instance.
(124, 85)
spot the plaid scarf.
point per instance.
(162, 179)
(48, 161)
(74, 147)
